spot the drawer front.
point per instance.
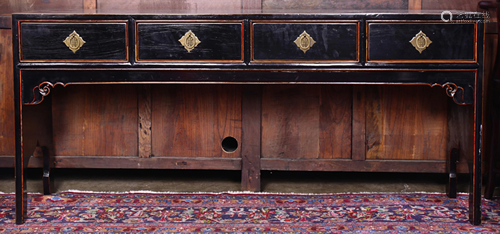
(173, 41)
(74, 41)
(422, 42)
(305, 41)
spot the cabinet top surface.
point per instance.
(246, 11)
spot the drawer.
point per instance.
(305, 41)
(180, 41)
(74, 41)
(435, 42)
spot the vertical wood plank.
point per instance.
(252, 4)
(464, 5)
(196, 5)
(335, 121)
(460, 130)
(37, 129)
(290, 121)
(192, 120)
(336, 4)
(7, 138)
(408, 123)
(10, 6)
(414, 4)
(96, 120)
(144, 117)
(89, 4)
(358, 123)
(251, 137)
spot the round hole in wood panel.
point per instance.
(229, 144)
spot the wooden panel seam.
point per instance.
(251, 4)
(358, 124)
(89, 5)
(144, 103)
(251, 116)
(415, 5)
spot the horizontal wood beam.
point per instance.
(134, 162)
(6, 161)
(409, 166)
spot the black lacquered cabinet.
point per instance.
(216, 41)
(45, 41)
(446, 42)
(248, 49)
(312, 41)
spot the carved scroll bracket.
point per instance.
(41, 91)
(454, 91)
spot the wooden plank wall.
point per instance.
(6, 94)
(302, 121)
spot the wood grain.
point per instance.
(335, 121)
(406, 123)
(10, 6)
(89, 4)
(252, 4)
(290, 121)
(414, 4)
(359, 123)
(306, 121)
(37, 128)
(490, 52)
(408, 166)
(120, 162)
(464, 5)
(144, 124)
(335, 4)
(251, 105)
(7, 137)
(460, 134)
(97, 120)
(168, 5)
(192, 120)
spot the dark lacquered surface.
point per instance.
(461, 81)
(333, 41)
(389, 41)
(219, 41)
(461, 78)
(44, 41)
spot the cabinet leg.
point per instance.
(46, 171)
(21, 194)
(250, 138)
(451, 189)
(20, 182)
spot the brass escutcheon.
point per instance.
(304, 42)
(420, 41)
(189, 41)
(74, 42)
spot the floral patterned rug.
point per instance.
(84, 212)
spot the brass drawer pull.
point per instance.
(304, 42)
(189, 41)
(74, 42)
(420, 41)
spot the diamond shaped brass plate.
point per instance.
(304, 42)
(420, 41)
(189, 41)
(74, 42)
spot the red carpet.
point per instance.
(77, 212)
